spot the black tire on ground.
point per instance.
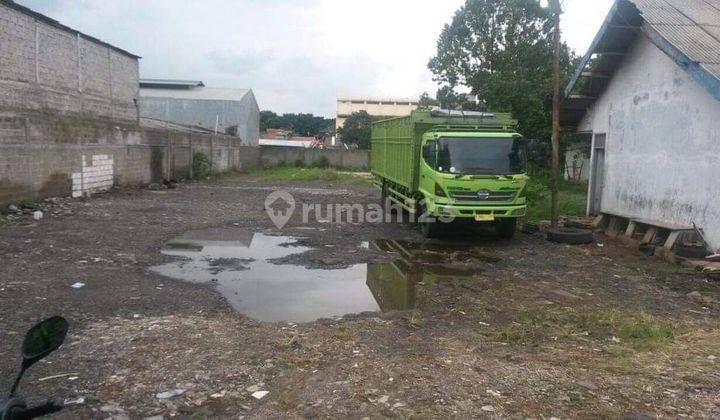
(506, 228)
(690, 251)
(429, 229)
(571, 236)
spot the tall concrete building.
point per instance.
(229, 111)
(376, 107)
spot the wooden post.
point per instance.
(554, 212)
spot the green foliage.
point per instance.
(573, 197)
(306, 174)
(323, 162)
(202, 166)
(426, 101)
(645, 331)
(301, 124)
(502, 51)
(357, 129)
(5, 220)
(638, 330)
(299, 163)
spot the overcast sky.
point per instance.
(296, 55)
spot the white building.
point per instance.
(648, 91)
(376, 107)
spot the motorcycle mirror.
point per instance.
(42, 339)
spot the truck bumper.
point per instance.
(477, 212)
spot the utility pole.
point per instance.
(555, 210)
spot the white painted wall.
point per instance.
(663, 143)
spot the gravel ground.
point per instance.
(520, 328)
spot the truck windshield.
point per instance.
(480, 156)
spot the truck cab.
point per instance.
(474, 175)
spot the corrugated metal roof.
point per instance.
(204, 93)
(170, 83)
(167, 125)
(697, 44)
(688, 31)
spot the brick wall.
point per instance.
(44, 154)
(276, 155)
(47, 67)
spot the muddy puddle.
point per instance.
(243, 267)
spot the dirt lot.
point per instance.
(521, 329)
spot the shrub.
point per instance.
(202, 166)
(323, 162)
(299, 163)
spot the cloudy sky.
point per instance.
(296, 55)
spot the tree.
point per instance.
(426, 101)
(357, 129)
(268, 119)
(301, 124)
(502, 51)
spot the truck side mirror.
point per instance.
(429, 153)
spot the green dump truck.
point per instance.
(445, 166)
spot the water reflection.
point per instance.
(239, 264)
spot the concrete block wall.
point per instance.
(277, 155)
(55, 155)
(48, 67)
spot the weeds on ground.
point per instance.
(5, 220)
(638, 330)
(319, 171)
(201, 165)
(573, 197)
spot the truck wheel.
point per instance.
(571, 236)
(506, 228)
(429, 229)
(697, 252)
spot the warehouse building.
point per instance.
(376, 107)
(648, 92)
(229, 111)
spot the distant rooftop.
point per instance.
(200, 92)
(170, 84)
(381, 100)
(50, 21)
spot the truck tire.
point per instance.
(571, 236)
(383, 193)
(696, 252)
(429, 230)
(506, 228)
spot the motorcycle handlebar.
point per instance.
(41, 410)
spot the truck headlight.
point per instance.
(439, 191)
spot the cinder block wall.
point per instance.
(52, 155)
(49, 67)
(277, 155)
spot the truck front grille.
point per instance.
(483, 196)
